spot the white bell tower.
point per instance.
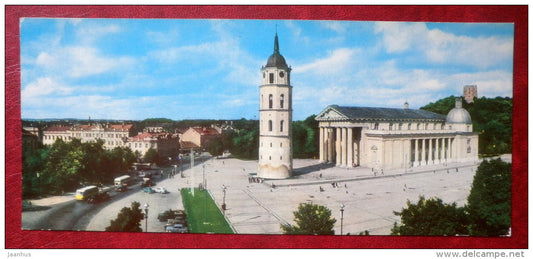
(275, 118)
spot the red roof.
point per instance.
(206, 131)
(149, 135)
(57, 128)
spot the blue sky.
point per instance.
(211, 69)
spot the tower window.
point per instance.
(269, 125)
(281, 126)
(281, 100)
(270, 101)
(271, 78)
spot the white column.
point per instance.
(449, 155)
(344, 145)
(416, 152)
(430, 149)
(331, 143)
(321, 145)
(349, 140)
(423, 162)
(442, 151)
(338, 146)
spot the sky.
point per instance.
(133, 69)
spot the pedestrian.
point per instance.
(381, 171)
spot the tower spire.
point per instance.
(276, 44)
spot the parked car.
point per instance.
(171, 214)
(100, 197)
(176, 228)
(122, 188)
(162, 190)
(148, 190)
(147, 182)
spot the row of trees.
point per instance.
(487, 212)
(491, 117)
(64, 166)
(244, 143)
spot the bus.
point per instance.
(123, 181)
(86, 192)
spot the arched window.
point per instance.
(281, 126)
(270, 101)
(269, 125)
(281, 100)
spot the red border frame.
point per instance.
(17, 238)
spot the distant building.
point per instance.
(153, 129)
(113, 135)
(469, 93)
(166, 144)
(223, 128)
(197, 137)
(386, 138)
(30, 141)
(52, 133)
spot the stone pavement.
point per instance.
(260, 207)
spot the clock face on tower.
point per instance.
(281, 74)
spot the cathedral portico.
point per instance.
(384, 138)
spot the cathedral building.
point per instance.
(275, 117)
(387, 138)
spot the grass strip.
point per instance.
(203, 215)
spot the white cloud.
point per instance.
(336, 62)
(337, 26)
(441, 47)
(398, 37)
(89, 33)
(79, 61)
(42, 87)
(86, 61)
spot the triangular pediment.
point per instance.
(330, 114)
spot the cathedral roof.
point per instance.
(335, 112)
(276, 59)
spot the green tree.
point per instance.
(33, 162)
(491, 117)
(128, 219)
(489, 202)
(311, 219)
(245, 144)
(215, 147)
(305, 138)
(431, 217)
(151, 156)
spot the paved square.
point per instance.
(255, 207)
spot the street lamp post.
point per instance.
(342, 216)
(224, 200)
(146, 215)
